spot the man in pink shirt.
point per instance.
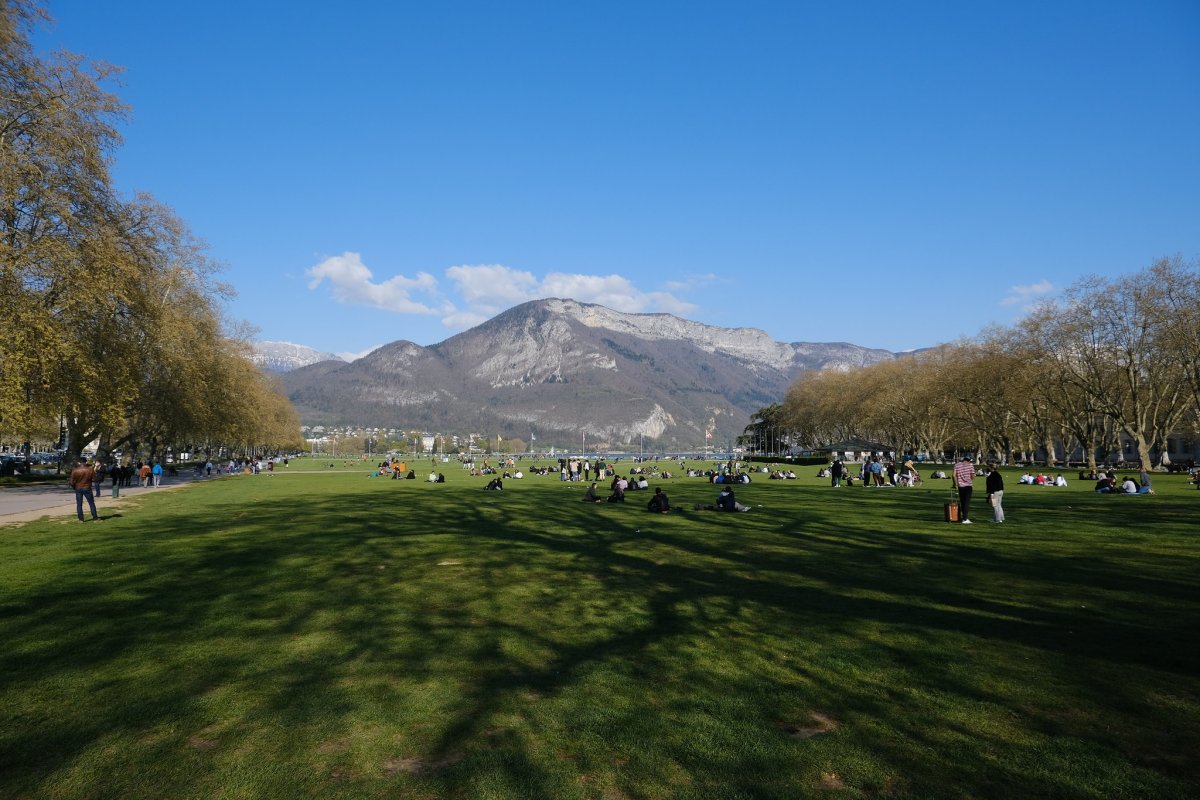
(964, 474)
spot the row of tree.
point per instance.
(109, 315)
(1112, 360)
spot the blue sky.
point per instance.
(888, 174)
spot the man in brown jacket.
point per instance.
(81, 482)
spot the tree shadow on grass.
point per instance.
(494, 599)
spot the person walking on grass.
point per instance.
(81, 481)
(964, 475)
(995, 492)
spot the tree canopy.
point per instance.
(1111, 357)
(109, 306)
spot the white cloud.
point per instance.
(489, 289)
(670, 304)
(351, 282)
(614, 291)
(358, 355)
(493, 286)
(484, 290)
(691, 282)
(461, 320)
(1020, 295)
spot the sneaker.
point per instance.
(966, 522)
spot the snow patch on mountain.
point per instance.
(286, 356)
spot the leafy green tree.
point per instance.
(57, 133)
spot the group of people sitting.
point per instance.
(659, 503)
(394, 471)
(1107, 484)
(617, 489)
(1043, 480)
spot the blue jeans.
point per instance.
(80, 494)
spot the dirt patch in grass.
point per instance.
(202, 742)
(411, 765)
(332, 746)
(816, 725)
(342, 775)
(415, 765)
(831, 781)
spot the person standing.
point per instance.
(99, 473)
(81, 481)
(995, 493)
(156, 473)
(964, 475)
(835, 472)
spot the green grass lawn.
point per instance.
(331, 635)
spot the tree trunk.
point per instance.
(1143, 448)
(1051, 455)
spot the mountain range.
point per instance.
(285, 356)
(563, 371)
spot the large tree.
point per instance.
(109, 305)
(1178, 283)
(1112, 342)
(57, 134)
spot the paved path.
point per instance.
(27, 503)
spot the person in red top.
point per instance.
(964, 474)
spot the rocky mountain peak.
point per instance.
(558, 365)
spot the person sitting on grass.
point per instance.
(725, 502)
(659, 503)
(494, 485)
(590, 496)
(1128, 486)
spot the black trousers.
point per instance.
(964, 501)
